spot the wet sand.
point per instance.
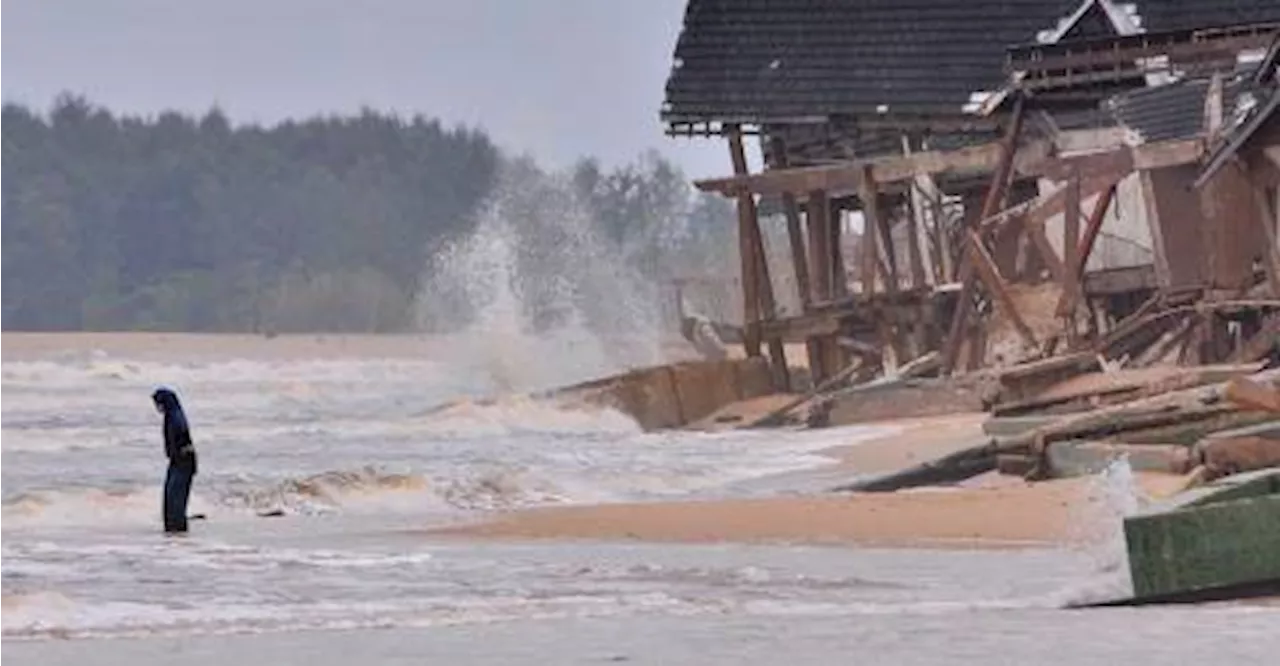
(1024, 515)
(988, 511)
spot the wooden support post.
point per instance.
(870, 222)
(1071, 228)
(1070, 250)
(1006, 239)
(917, 226)
(1073, 286)
(999, 183)
(758, 301)
(820, 271)
(746, 250)
(977, 348)
(885, 224)
(795, 234)
(944, 262)
(769, 306)
(990, 275)
(918, 276)
(1092, 229)
(839, 278)
(836, 357)
(1267, 215)
(819, 244)
(1048, 255)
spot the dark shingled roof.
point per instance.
(1257, 103)
(1176, 110)
(762, 61)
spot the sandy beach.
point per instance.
(513, 531)
(990, 511)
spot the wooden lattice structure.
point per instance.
(976, 234)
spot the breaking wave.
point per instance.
(523, 414)
(365, 490)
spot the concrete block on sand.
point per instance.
(649, 397)
(1221, 539)
(672, 396)
(702, 388)
(914, 398)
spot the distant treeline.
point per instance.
(177, 222)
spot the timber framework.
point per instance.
(1019, 187)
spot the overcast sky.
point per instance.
(557, 79)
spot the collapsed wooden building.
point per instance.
(1032, 183)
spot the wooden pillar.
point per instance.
(885, 223)
(756, 261)
(1267, 218)
(795, 234)
(1070, 250)
(867, 192)
(914, 223)
(1071, 227)
(1092, 229)
(746, 251)
(922, 264)
(820, 256)
(986, 269)
(1176, 223)
(995, 194)
(839, 278)
(1073, 280)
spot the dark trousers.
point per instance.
(177, 489)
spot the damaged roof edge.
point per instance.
(1238, 139)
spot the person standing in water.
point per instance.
(182, 460)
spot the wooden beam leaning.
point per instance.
(795, 233)
(986, 270)
(768, 306)
(1092, 229)
(1071, 298)
(746, 250)
(999, 183)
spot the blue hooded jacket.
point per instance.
(178, 447)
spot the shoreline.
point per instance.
(995, 515)
(988, 511)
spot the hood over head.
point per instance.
(166, 400)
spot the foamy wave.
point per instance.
(771, 607)
(324, 492)
(524, 414)
(88, 506)
(69, 619)
(364, 490)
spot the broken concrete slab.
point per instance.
(909, 398)
(1216, 541)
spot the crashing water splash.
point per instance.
(545, 301)
(1117, 496)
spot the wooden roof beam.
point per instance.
(847, 176)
